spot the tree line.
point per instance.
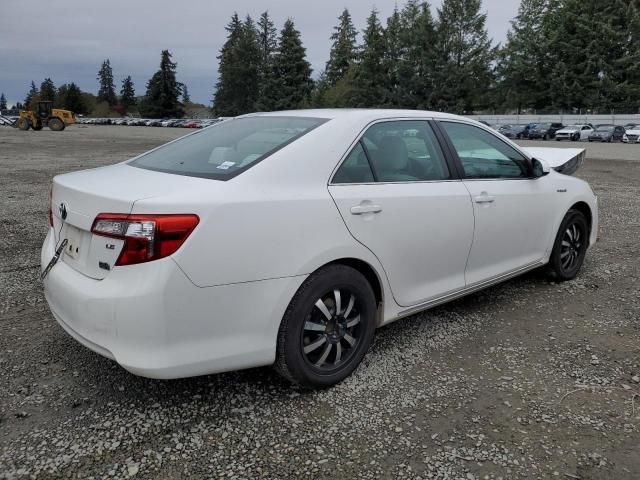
(559, 55)
(164, 97)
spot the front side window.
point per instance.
(483, 155)
(395, 151)
(229, 148)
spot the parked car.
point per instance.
(607, 133)
(289, 237)
(632, 135)
(631, 126)
(574, 132)
(542, 131)
(515, 131)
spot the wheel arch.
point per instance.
(367, 271)
(585, 209)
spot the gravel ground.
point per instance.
(529, 379)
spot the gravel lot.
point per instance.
(529, 379)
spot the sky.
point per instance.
(67, 40)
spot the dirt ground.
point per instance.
(529, 379)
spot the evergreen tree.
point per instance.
(464, 56)
(291, 83)
(393, 60)
(186, 98)
(72, 99)
(47, 90)
(523, 69)
(3, 102)
(369, 78)
(344, 51)
(238, 86)
(163, 92)
(416, 68)
(127, 93)
(32, 95)
(591, 52)
(18, 106)
(106, 90)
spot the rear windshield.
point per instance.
(229, 148)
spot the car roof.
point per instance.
(356, 113)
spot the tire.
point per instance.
(570, 246)
(320, 349)
(56, 124)
(576, 137)
(23, 124)
(545, 138)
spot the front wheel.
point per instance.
(570, 246)
(327, 328)
(576, 137)
(56, 124)
(23, 124)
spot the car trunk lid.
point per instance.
(77, 198)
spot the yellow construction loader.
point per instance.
(45, 116)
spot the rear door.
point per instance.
(401, 199)
(513, 211)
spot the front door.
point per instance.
(398, 198)
(513, 211)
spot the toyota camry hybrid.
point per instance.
(287, 238)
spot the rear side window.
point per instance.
(229, 148)
(398, 151)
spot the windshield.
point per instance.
(573, 127)
(229, 148)
(606, 129)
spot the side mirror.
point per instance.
(540, 168)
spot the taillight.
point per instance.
(50, 209)
(146, 237)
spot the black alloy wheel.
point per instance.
(327, 328)
(570, 246)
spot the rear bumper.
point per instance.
(155, 323)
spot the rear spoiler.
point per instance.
(563, 160)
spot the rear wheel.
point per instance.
(56, 124)
(23, 124)
(327, 328)
(570, 246)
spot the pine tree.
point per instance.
(291, 84)
(394, 57)
(127, 93)
(523, 70)
(163, 92)
(268, 44)
(369, 79)
(344, 50)
(186, 98)
(416, 68)
(73, 100)
(464, 56)
(47, 90)
(3, 102)
(106, 90)
(238, 86)
(32, 95)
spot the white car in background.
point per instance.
(575, 133)
(286, 238)
(632, 135)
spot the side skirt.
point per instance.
(468, 290)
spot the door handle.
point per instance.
(367, 208)
(485, 198)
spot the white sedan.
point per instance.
(632, 135)
(575, 132)
(287, 238)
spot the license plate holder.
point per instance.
(74, 239)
